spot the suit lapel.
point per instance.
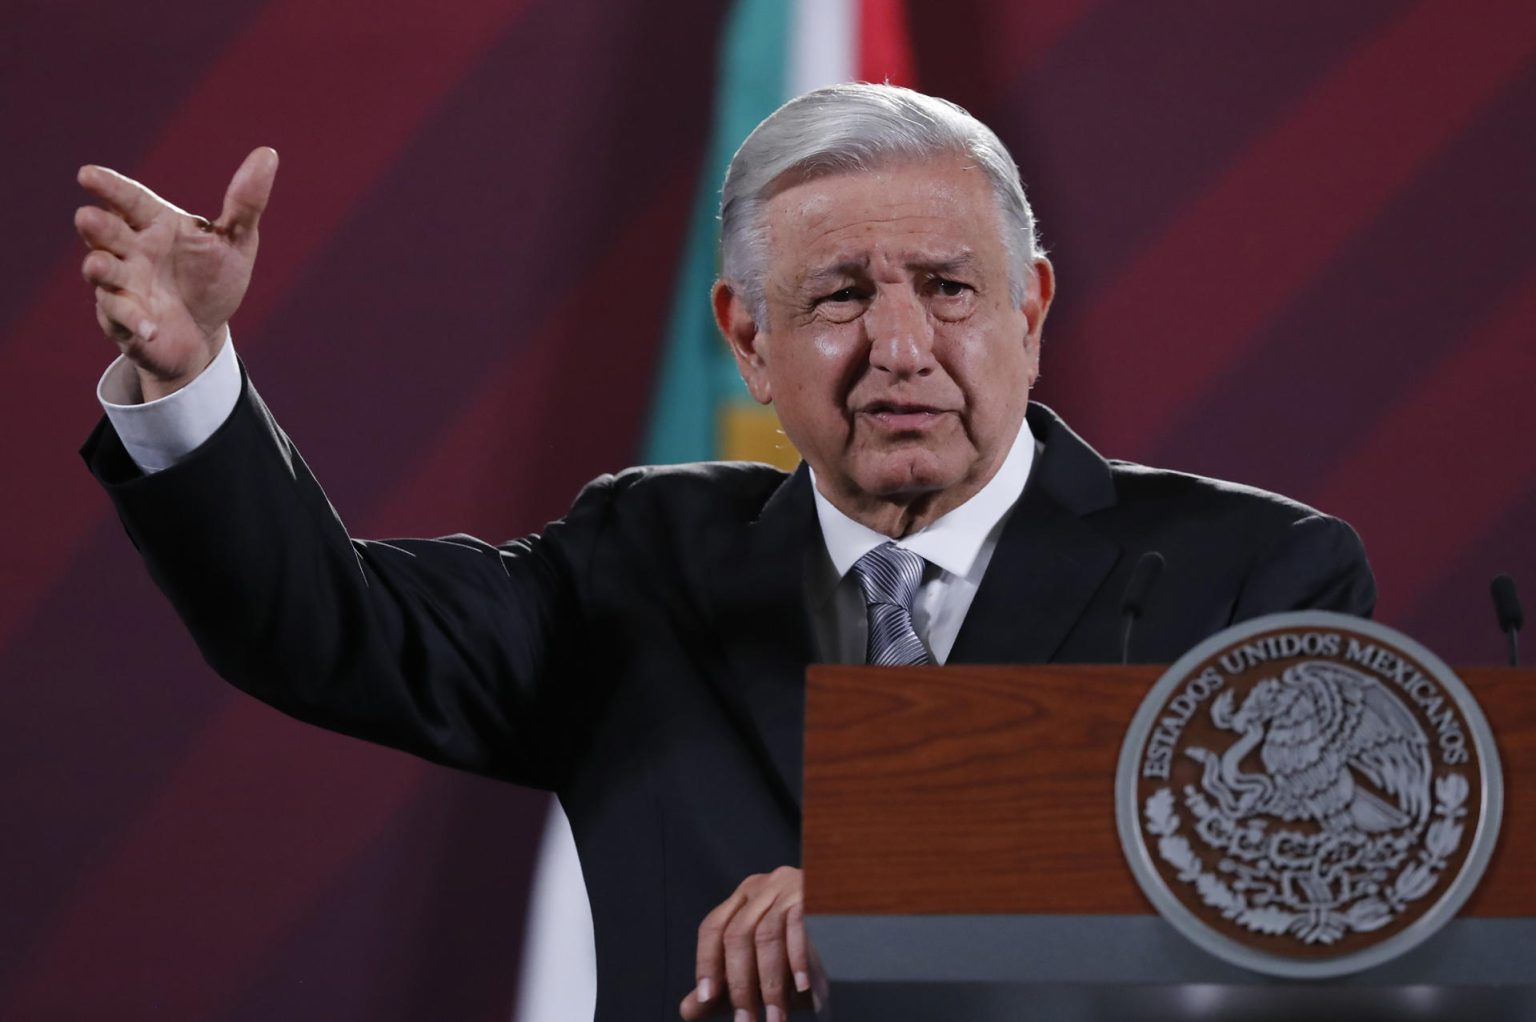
(758, 608)
(1048, 564)
(1049, 560)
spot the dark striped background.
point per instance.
(1295, 246)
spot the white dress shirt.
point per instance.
(957, 547)
(157, 434)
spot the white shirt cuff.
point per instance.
(157, 434)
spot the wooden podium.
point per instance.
(962, 863)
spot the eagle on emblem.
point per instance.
(1319, 729)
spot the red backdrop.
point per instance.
(1295, 248)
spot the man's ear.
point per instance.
(747, 342)
(1037, 303)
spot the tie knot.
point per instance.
(888, 574)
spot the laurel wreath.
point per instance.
(1416, 879)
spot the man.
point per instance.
(644, 656)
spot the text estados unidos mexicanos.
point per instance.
(1438, 710)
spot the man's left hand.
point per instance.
(753, 956)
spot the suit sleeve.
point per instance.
(452, 649)
(1316, 563)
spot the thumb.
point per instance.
(692, 1008)
(246, 198)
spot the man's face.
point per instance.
(898, 363)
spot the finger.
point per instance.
(246, 198)
(709, 959)
(133, 202)
(125, 315)
(772, 963)
(104, 270)
(795, 946)
(103, 230)
(741, 967)
(783, 965)
(692, 1008)
(742, 936)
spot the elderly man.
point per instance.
(644, 656)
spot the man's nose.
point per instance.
(900, 334)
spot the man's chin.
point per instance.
(907, 474)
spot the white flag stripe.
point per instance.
(558, 981)
(823, 41)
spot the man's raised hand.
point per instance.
(167, 282)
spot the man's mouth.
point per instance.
(902, 415)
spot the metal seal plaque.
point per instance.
(1308, 794)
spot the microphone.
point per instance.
(1143, 578)
(1506, 603)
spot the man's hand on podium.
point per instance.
(753, 956)
(167, 282)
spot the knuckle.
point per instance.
(718, 916)
(769, 930)
(738, 937)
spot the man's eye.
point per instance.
(949, 288)
(846, 294)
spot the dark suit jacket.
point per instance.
(644, 656)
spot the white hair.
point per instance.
(859, 126)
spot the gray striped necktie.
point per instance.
(889, 577)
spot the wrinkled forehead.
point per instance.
(930, 210)
(870, 170)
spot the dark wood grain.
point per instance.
(1508, 699)
(991, 789)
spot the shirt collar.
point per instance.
(953, 541)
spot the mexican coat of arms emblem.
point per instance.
(1308, 794)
